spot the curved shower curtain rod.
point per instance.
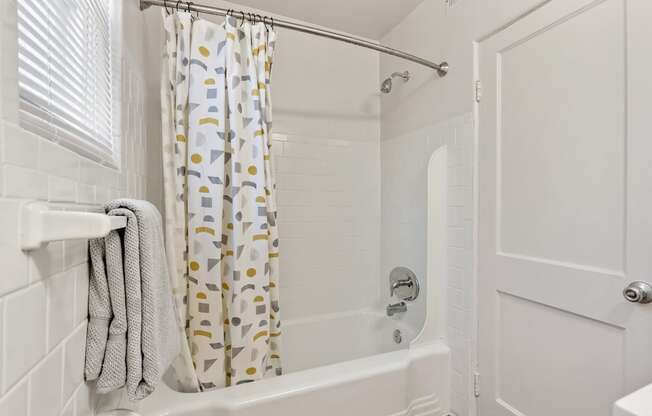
(441, 68)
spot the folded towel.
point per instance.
(114, 370)
(99, 310)
(129, 287)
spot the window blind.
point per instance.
(65, 73)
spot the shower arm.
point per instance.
(405, 75)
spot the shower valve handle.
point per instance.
(400, 283)
(402, 277)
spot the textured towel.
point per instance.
(130, 288)
(99, 310)
(114, 371)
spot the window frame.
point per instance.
(42, 126)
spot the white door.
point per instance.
(565, 208)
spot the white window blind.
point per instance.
(65, 73)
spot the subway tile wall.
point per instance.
(329, 217)
(44, 293)
(404, 162)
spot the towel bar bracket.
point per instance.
(39, 224)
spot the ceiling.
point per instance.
(367, 18)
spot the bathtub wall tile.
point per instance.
(23, 152)
(45, 386)
(81, 291)
(84, 401)
(14, 402)
(60, 307)
(404, 162)
(46, 261)
(13, 259)
(24, 333)
(329, 213)
(2, 311)
(73, 361)
(69, 409)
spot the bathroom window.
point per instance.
(65, 74)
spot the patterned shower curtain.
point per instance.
(221, 233)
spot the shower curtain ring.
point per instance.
(165, 4)
(177, 6)
(271, 17)
(188, 7)
(243, 17)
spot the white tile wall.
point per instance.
(14, 402)
(43, 294)
(329, 213)
(60, 306)
(45, 385)
(404, 162)
(73, 369)
(24, 335)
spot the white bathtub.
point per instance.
(345, 365)
(330, 339)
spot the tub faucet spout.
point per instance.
(395, 308)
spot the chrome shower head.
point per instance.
(386, 86)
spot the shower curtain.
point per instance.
(221, 233)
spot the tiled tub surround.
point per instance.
(44, 293)
(404, 164)
(329, 214)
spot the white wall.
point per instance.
(326, 154)
(43, 294)
(439, 33)
(410, 117)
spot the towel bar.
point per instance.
(39, 225)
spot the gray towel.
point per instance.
(130, 288)
(99, 310)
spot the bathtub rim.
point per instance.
(165, 401)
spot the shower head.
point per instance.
(386, 86)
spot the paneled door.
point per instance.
(565, 208)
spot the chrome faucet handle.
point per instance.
(399, 283)
(404, 279)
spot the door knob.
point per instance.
(638, 292)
